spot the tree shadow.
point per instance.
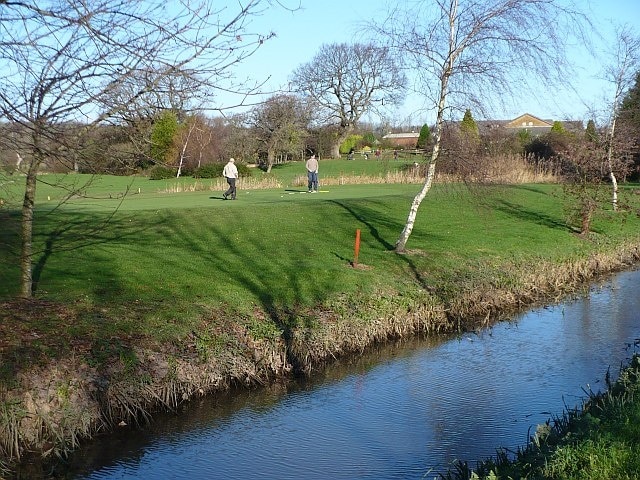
(369, 217)
(530, 216)
(277, 281)
(77, 233)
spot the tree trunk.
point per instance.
(431, 172)
(445, 75)
(413, 212)
(586, 214)
(271, 157)
(26, 253)
(614, 182)
(342, 136)
(614, 186)
(335, 149)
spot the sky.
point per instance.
(300, 34)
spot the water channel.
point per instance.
(404, 411)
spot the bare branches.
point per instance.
(61, 59)
(67, 66)
(279, 127)
(477, 53)
(495, 49)
(345, 81)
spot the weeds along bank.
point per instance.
(597, 440)
(51, 408)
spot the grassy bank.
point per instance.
(146, 300)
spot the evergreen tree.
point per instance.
(630, 108)
(591, 133)
(424, 137)
(163, 137)
(469, 126)
(557, 127)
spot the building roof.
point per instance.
(529, 121)
(401, 135)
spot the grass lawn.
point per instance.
(173, 256)
(155, 266)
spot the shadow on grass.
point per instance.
(166, 252)
(531, 216)
(9, 253)
(370, 218)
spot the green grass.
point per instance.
(170, 257)
(278, 247)
(54, 187)
(111, 270)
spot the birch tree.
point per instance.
(476, 53)
(61, 61)
(621, 73)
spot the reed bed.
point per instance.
(501, 169)
(515, 287)
(244, 183)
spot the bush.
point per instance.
(214, 170)
(160, 172)
(187, 171)
(210, 170)
(351, 143)
(243, 170)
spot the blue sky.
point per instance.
(300, 34)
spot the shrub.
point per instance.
(351, 142)
(243, 170)
(160, 172)
(210, 170)
(187, 171)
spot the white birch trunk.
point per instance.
(614, 182)
(184, 150)
(447, 70)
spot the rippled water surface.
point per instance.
(404, 411)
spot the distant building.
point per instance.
(532, 124)
(402, 140)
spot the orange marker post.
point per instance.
(357, 248)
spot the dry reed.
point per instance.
(501, 169)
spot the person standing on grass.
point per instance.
(230, 172)
(312, 174)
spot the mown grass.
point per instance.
(172, 256)
(130, 260)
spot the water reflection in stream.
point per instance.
(405, 411)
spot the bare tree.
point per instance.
(621, 73)
(469, 52)
(61, 62)
(345, 81)
(280, 126)
(194, 137)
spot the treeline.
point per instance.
(179, 143)
(173, 144)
